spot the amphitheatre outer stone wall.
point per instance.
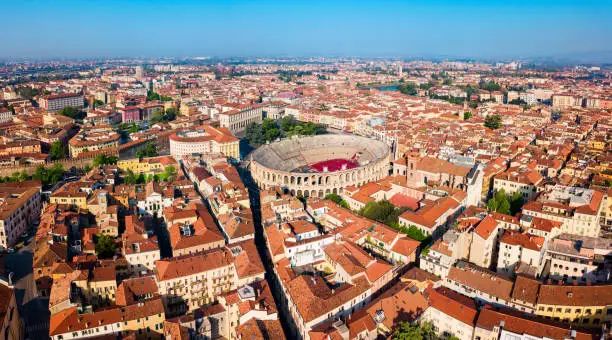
(274, 164)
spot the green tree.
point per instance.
(505, 204)
(105, 247)
(254, 134)
(169, 173)
(467, 115)
(104, 159)
(288, 123)
(24, 176)
(150, 150)
(490, 86)
(151, 95)
(57, 150)
(161, 116)
(408, 88)
(414, 233)
(272, 134)
(382, 211)
(129, 178)
(72, 112)
(516, 202)
(493, 122)
(337, 199)
(407, 331)
(15, 176)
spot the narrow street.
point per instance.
(33, 310)
(283, 315)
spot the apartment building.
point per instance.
(89, 140)
(585, 306)
(20, 206)
(479, 283)
(190, 281)
(140, 249)
(56, 102)
(70, 194)
(484, 242)
(566, 100)
(578, 209)
(520, 249)
(144, 320)
(300, 241)
(431, 218)
(579, 258)
(450, 313)
(494, 324)
(192, 237)
(513, 180)
(6, 115)
(237, 120)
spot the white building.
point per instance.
(55, 102)
(237, 120)
(516, 247)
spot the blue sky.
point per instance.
(67, 28)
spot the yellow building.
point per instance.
(76, 199)
(87, 141)
(144, 320)
(147, 166)
(585, 306)
(598, 144)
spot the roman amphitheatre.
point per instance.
(319, 165)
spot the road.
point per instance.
(33, 310)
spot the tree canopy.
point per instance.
(72, 112)
(151, 95)
(337, 199)
(490, 86)
(407, 331)
(150, 150)
(105, 247)
(493, 122)
(58, 150)
(162, 116)
(269, 129)
(506, 204)
(104, 159)
(49, 176)
(408, 88)
(382, 211)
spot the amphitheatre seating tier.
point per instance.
(290, 154)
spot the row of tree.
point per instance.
(169, 174)
(269, 130)
(47, 175)
(151, 95)
(104, 159)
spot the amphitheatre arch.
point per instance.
(317, 165)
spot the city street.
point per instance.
(34, 311)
